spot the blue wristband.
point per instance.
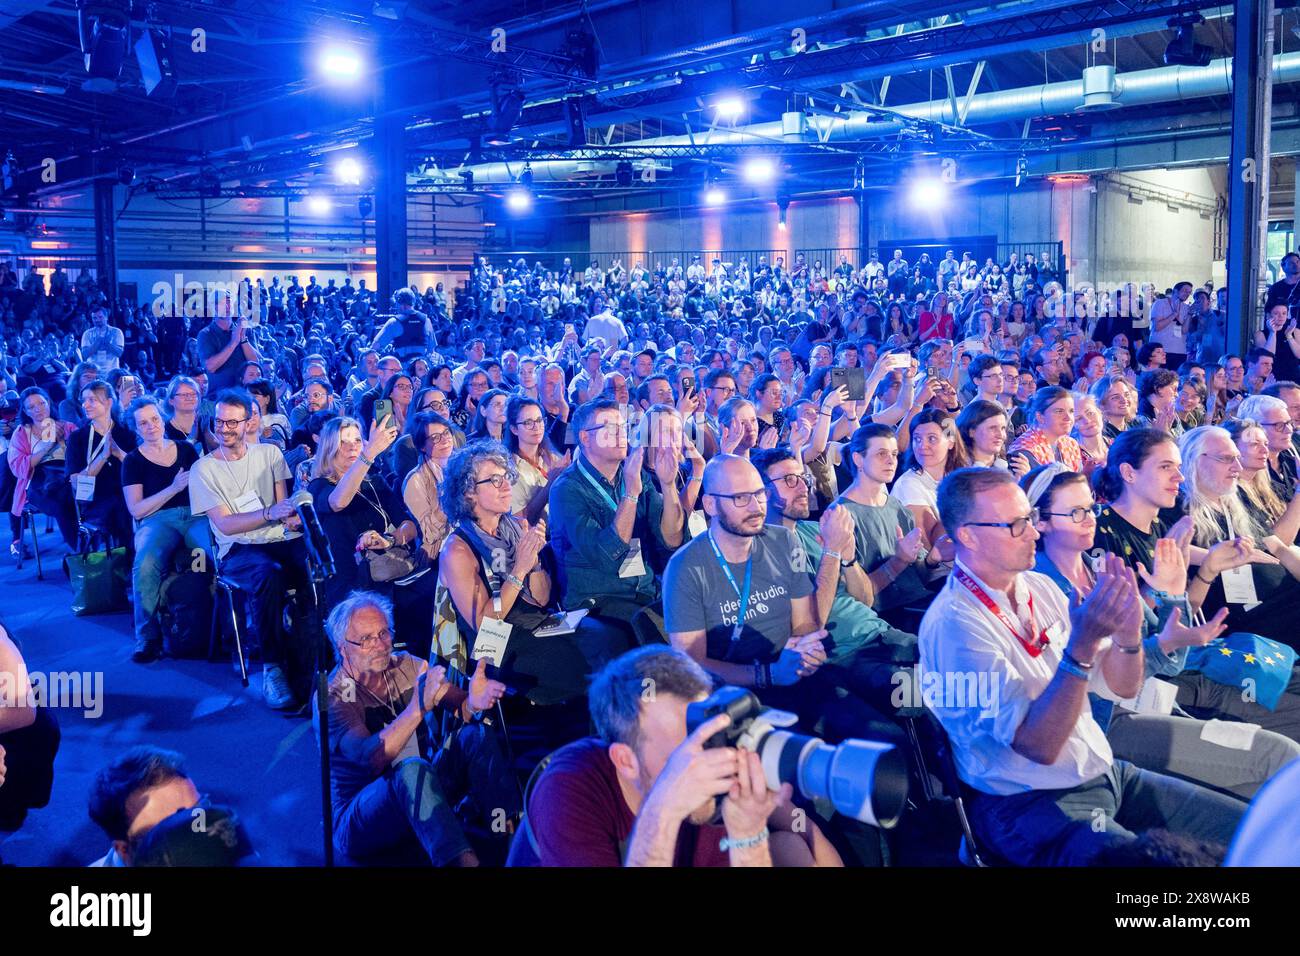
(726, 843)
(1073, 667)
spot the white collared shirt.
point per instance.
(966, 651)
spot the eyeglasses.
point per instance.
(438, 437)
(442, 405)
(1017, 527)
(1284, 425)
(1076, 515)
(230, 423)
(407, 387)
(793, 481)
(372, 640)
(497, 481)
(531, 423)
(1227, 459)
(741, 499)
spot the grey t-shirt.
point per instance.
(876, 539)
(215, 481)
(698, 596)
(211, 340)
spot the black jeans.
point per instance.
(50, 493)
(265, 572)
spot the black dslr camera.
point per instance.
(863, 779)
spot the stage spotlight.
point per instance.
(782, 206)
(340, 64)
(759, 169)
(519, 200)
(714, 195)
(348, 171)
(365, 206)
(507, 107)
(1183, 50)
(928, 194)
(468, 177)
(104, 31)
(526, 177)
(623, 173)
(729, 107)
(125, 175)
(319, 205)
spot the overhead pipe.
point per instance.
(1135, 88)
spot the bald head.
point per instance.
(730, 474)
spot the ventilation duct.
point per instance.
(1099, 89)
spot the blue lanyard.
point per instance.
(731, 579)
(582, 467)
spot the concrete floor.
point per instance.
(239, 752)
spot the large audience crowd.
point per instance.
(567, 502)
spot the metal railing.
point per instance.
(1049, 253)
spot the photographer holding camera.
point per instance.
(642, 793)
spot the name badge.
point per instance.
(248, 502)
(633, 566)
(1239, 587)
(491, 640)
(1156, 697)
(697, 524)
(85, 487)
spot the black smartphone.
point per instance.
(855, 379)
(688, 385)
(383, 408)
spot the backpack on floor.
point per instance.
(186, 607)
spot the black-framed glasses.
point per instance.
(443, 405)
(498, 481)
(1285, 424)
(1016, 527)
(741, 499)
(228, 423)
(1077, 515)
(793, 481)
(372, 640)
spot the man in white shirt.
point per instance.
(244, 491)
(1169, 319)
(102, 343)
(475, 350)
(605, 325)
(1047, 790)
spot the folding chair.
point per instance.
(970, 852)
(25, 521)
(229, 588)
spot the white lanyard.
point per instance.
(90, 443)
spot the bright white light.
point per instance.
(781, 224)
(319, 205)
(760, 169)
(348, 171)
(340, 63)
(729, 107)
(928, 194)
(519, 200)
(715, 196)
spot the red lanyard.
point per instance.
(1033, 648)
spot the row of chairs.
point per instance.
(649, 628)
